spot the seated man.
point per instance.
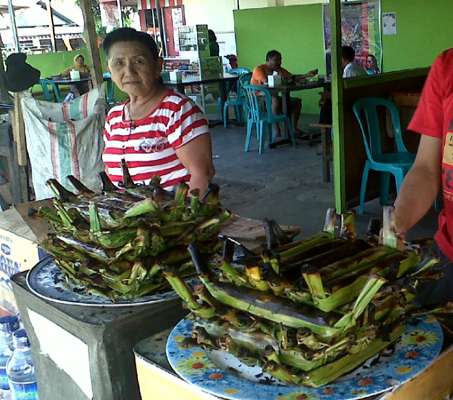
(350, 68)
(274, 64)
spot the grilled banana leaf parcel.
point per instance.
(309, 311)
(118, 242)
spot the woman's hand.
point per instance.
(196, 156)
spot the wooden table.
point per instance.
(286, 89)
(192, 80)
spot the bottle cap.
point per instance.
(20, 339)
(11, 322)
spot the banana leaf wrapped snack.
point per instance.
(116, 243)
(309, 311)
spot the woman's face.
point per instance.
(80, 60)
(371, 62)
(133, 68)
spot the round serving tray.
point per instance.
(225, 376)
(47, 281)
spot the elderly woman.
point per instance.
(158, 132)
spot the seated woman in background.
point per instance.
(78, 65)
(158, 132)
(372, 65)
(79, 88)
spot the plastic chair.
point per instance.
(260, 116)
(110, 92)
(239, 71)
(54, 93)
(397, 163)
(238, 102)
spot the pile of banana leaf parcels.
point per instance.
(307, 311)
(116, 243)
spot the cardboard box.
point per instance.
(19, 249)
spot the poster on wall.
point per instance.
(110, 16)
(361, 29)
(389, 23)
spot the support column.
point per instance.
(12, 17)
(337, 107)
(51, 26)
(120, 15)
(93, 49)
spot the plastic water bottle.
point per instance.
(20, 369)
(8, 325)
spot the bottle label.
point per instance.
(3, 379)
(24, 391)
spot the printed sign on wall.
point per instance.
(389, 23)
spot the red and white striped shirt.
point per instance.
(149, 145)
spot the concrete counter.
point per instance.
(86, 353)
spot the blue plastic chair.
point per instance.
(260, 116)
(397, 163)
(239, 101)
(52, 94)
(110, 90)
(239, 71)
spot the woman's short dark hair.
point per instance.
(272, 53)
(130, 35)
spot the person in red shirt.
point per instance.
(432, 171)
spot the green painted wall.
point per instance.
(55, 63)
(424, 29)
(295, 31)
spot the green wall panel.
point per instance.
(55, 63)
(424, 29)
(295, 31)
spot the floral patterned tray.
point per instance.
(225, 376)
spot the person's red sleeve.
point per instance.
(428, 118)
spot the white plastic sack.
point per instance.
(65, 139)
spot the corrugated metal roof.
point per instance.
(37, 16)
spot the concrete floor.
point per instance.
(284, 184)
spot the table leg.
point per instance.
(223, 96)
(325, 156)
(181, 88)
(57, 94)
(286, 100)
